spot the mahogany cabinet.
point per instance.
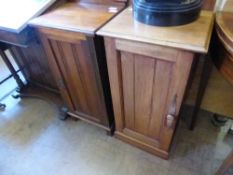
(223, 46)
(148, 69)
(77, 58)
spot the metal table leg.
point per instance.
(206, 71)
(11, 69)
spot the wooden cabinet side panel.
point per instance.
(95, 87)
(63, 56)
(114, 70)
(88, 70)
(73, 78)
(56, 71)
(77, 72)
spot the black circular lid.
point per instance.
(168, 5)
(166, 12)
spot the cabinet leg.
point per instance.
(63, 113)
(12, 69)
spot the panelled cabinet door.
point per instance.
(76, 72)
(147, 86)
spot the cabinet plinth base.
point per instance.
(141, 145)
(108, 129)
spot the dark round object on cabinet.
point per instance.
(166, 12)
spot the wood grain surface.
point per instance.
(144, 87)
(224, 44)
(193, 37)
(78, 17)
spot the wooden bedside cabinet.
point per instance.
(77, 58)
(148, 69)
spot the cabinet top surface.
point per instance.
(77, 17)
(192, 37)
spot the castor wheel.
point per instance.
(2, 107)
(63, 113)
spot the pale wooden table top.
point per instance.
(77, 17)
(193, 37)
(15, 14)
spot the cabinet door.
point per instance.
(147, 86)
(74, 64)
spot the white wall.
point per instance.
(220, 4)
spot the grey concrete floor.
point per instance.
(33, 141)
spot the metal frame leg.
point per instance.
(11, 69)
(206, 71)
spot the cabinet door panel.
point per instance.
(127, 62)
(66, 59)
(162, 83)
(80, 76)
(89, 77)
(53, 64)
(143, 85)
(146, 82)
(147, 91)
